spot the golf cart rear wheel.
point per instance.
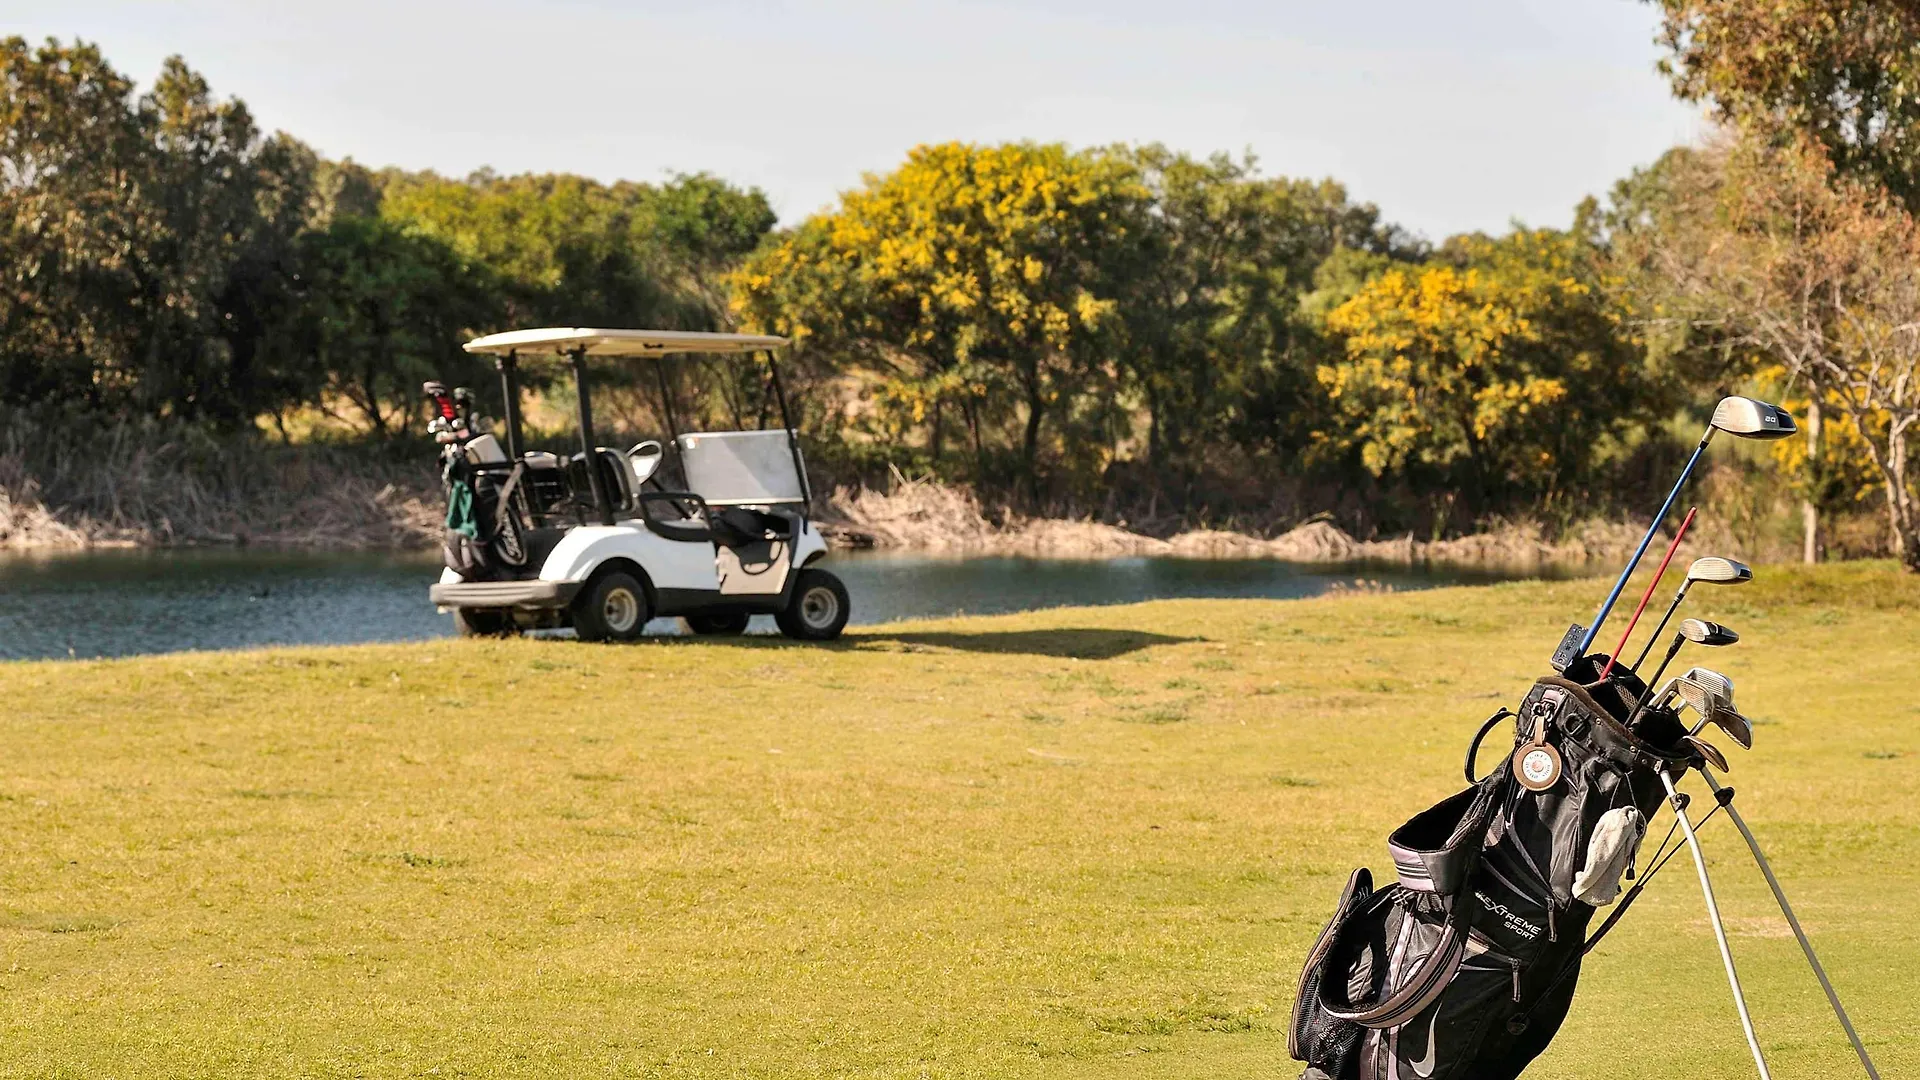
(719, 625)
(818, 610)
(482, 622)
(613, 607)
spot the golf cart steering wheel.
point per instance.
(645, 458)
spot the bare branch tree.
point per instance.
(1769, 247)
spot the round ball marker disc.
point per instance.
(1537, 766)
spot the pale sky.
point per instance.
(1450, 114)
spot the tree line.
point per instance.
(1123, 330)
(162, 258)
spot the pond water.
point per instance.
(125, 603)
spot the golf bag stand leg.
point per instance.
(1713, 916)
(1725, 797)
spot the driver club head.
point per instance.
(1715, 570)
(1749, 419)
(1702, 632)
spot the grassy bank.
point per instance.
(1084, 842)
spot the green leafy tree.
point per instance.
(383, 309)
(1212, 299)
(972, 276)
(569, 250)
(74, 225)
(1494, 371)
(1845, 73)
(145, 240)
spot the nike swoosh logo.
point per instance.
(1424, 1067)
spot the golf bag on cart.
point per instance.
(1465, 968)
(484, 537)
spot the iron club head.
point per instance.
(1749, 419)
(1714, 707)
(1708, 752)
(1693, 695)
(1713, 680)
(1730, 720)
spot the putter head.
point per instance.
(1750, 419)
(1715, 570)
(1707, 752)
(1702, 632)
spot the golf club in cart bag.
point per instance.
(1465, 967)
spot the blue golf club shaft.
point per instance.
(1653, 529)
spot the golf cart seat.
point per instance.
(615, 476)
(684, 526)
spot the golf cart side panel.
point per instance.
(808, 545)
(670, 564)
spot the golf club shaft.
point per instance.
(1655, 637)
(1713, 916)
(1672, 651)
(1766, 870)
(1665, 561)
(1614, 596)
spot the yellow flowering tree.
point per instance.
(971, 279)
(1496, 369)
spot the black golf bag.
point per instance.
(1465, 968)
(485, 538)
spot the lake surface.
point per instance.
(125, 603)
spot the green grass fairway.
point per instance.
(1077, 843)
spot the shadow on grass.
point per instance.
(1069, 643)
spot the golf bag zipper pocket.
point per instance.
(1496, 961)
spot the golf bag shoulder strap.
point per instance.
(1473, 748)
(1416, 989)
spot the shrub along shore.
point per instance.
(68, 487)
(132, 494)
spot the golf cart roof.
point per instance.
(565, 339)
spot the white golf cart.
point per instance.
(540, 540)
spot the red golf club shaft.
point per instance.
(1651, 585)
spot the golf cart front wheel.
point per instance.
(613, 607)
(719, 625)
(482, 622)
(818, 610)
